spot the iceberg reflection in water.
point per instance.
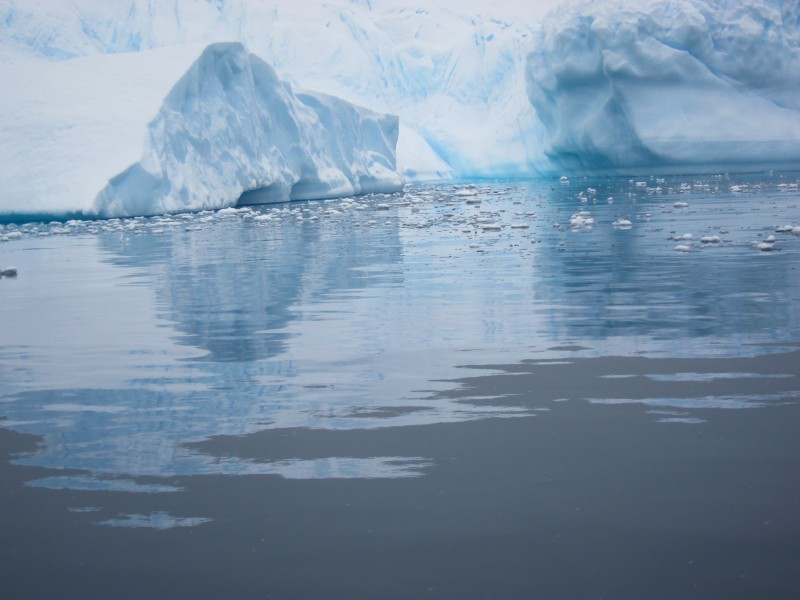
(131, 343)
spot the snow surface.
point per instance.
(655, 85)
(179, 128)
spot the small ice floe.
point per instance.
(686, 237)
(681, 204)
(262, 218)
(156, 520)
(492, 227)
(770, 239)
(738, 188)
(765, 247)
(467, 191)
(383, 207)
(519, 226)
(582, 219)
(8, 272)
(564, 180)
(710, 239)
(682, 248)
(622, 224)
(641, 184)
(591, 192)
(473, 200)
(13, 235)
(784, 229)
(610, 200)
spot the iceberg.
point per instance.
(651, 85)
(179, 128)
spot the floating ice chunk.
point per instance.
(492, 227)
(519, 226)
(13, 235)
(383, 207)
(582, 219)
(8, 272)
(770, 239)
(681, 204)
(710, 239)
(682, 248)
(564, 180)
(784, 229)
(765, 247)
(623, 224)
(467, 192)
(686, 237)
(474, 201)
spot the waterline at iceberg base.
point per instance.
(509, 389)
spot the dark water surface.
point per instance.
(487, 392)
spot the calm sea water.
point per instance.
(149, 355)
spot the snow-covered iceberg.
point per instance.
(669, 85)
(179, 128)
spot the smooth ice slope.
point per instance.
(181, 128)
(653, 85)
(453, 71)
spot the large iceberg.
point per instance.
(179, 128)
(678, 85)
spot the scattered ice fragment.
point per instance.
(383, 207)
(770, 239)
(765, 247)
(623, 224)
(14, 235)
(467, 192)
(681, 204)
(9, 272)
(492, 227)
(710, 239)
(564, 180)
(682, 248)
(156, 520)
(519, 226)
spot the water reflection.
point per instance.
(155, 334)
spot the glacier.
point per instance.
(179, 128)
(657, 86)
(453, 72)
(512, 89)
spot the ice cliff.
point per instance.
(180, 128)
(659, 85)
